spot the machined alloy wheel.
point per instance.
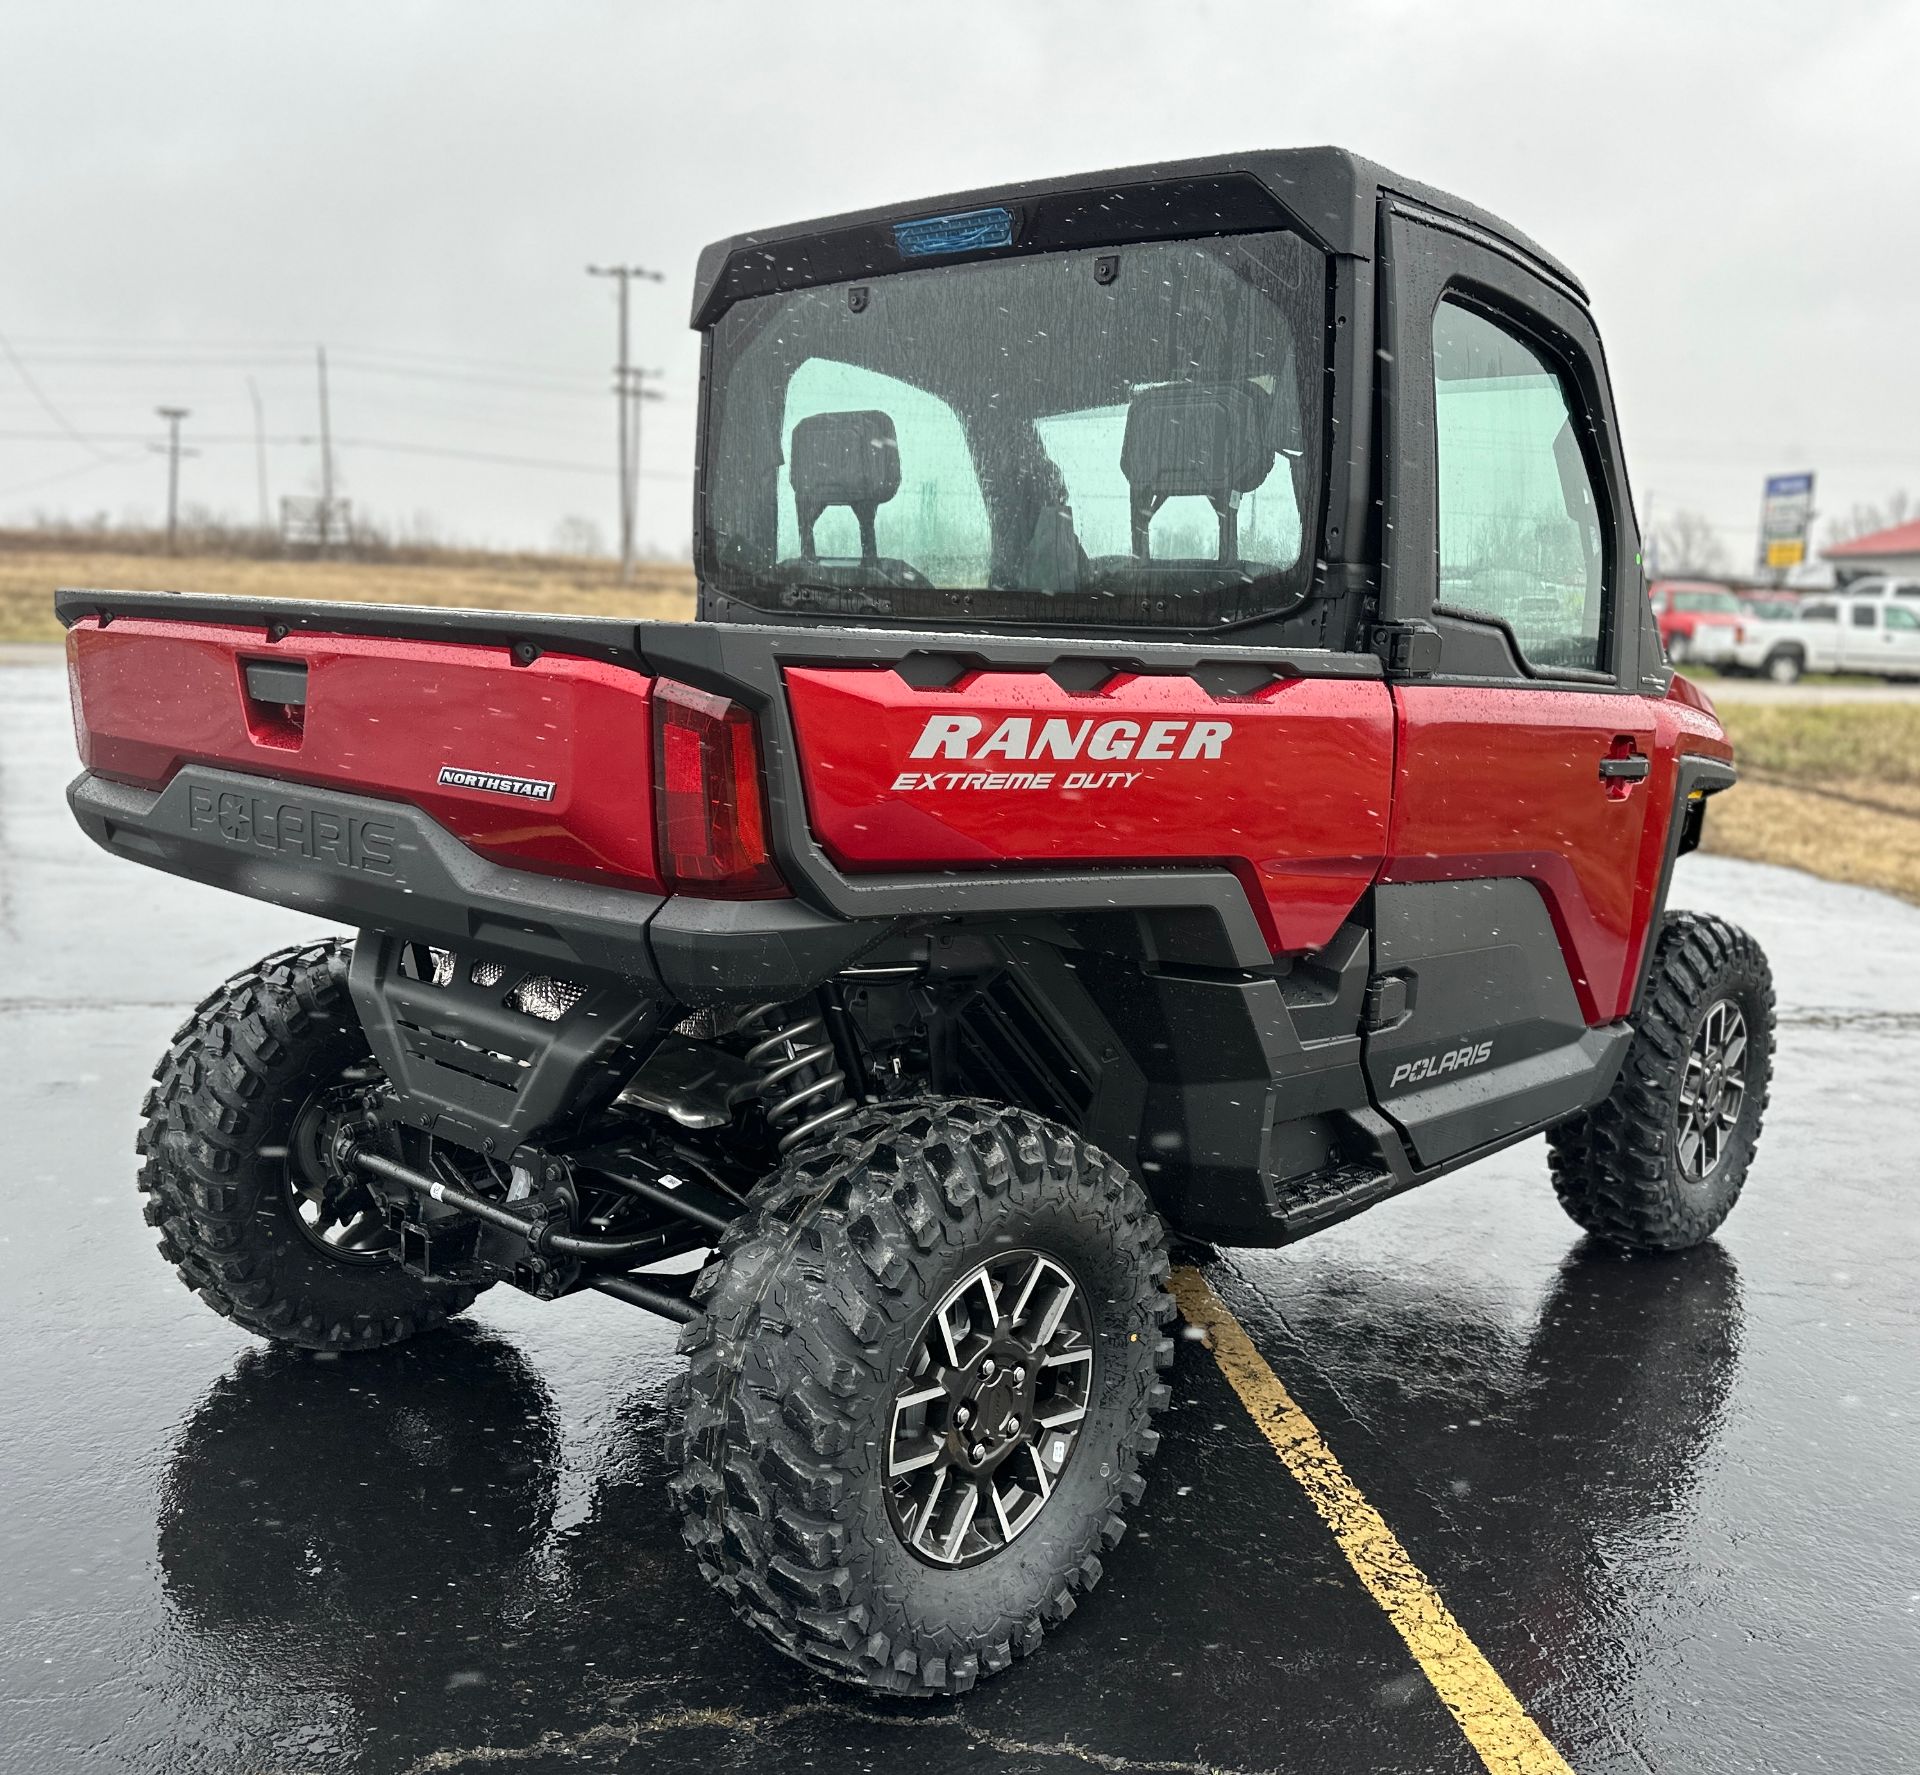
(991, 1409)
(1713, 1089)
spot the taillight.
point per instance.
(712, 817)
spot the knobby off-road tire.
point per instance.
(1628, 1170)
(215, 1145)
(814, 1306)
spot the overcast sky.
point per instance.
(192, 194)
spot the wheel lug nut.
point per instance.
(963, 1416)
(1019, 1376)
(987, 1369)
(979, 1451)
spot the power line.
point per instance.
(500, 373)
(288, 348)
(306, 441)
(33, 388)
(68, 474)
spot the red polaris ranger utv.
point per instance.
(1175, 743)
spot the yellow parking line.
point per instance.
(1497, 1726)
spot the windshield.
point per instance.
(1124, 435)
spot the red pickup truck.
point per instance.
(1698, 619)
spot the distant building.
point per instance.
(1881, 551)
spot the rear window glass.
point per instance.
(1125, 435)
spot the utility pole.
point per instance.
(326, 452)
(629, 391)
(173, 416)
(260, 454)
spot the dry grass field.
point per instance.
(1834, 791)
(28, 578)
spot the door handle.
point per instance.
(1624, 765)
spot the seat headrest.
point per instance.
(1208, 438)
(845, 459)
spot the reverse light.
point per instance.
(707, 797)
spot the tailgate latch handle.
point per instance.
(277, 681)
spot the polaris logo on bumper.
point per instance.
(281, 827)
(1433, 1066)
(491, 782)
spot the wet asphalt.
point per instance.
(1672, 1501)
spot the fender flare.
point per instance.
(1696, 779)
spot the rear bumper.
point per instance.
(365, 863)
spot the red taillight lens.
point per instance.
(713, 829)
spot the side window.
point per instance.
(1863, 615)
(1901, 618)
(1819, 613)
(1520, 526)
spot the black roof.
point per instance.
(1328, 193)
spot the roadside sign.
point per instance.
(1785, 514)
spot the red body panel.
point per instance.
(1507, 783)
(1293, 796)
(382, 718)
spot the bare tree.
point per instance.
(1864, 520)
(575, 535)
(1686, 546)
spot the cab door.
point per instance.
(1900, 631)
(1880, 636)
(1861, 636)
(1532, 785)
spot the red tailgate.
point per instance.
(393, 719)
(1288, 787)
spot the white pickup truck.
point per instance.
(1876, 634)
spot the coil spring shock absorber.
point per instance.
(803, 1086)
